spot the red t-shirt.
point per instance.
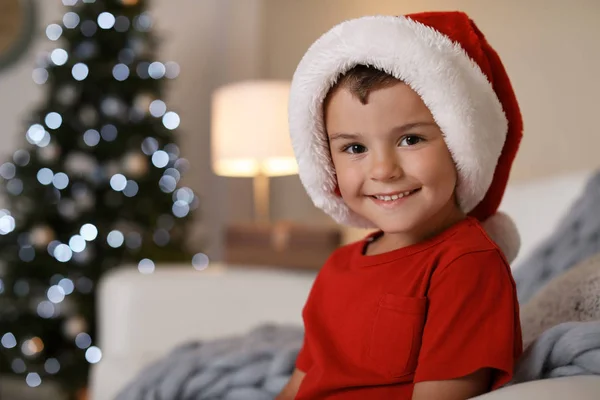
(437, 310)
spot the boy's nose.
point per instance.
(386, 167)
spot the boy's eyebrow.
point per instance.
(402, 128)
(348, 136)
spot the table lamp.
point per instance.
(250, 136)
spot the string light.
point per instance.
(62, 253)
(60, 181)
(54, 32)
(80, 71)
(133, 240)
(156, 70)
(167, 183)
(45, 176)
(118, 182)
(33, 379)
(200, 261)
(180, 209)
(120, 72)
(93, 355)
(72, 192)
(149, 146)
(70, 20)
(52, 366)
(109, 132)
(83, 340)
(160, 159)
(67, 285)
(158, 108)
(146, 266)
(14, 187)
(40, 76)
(8, 340)
(172, 70)
(7, 223)
(53, 120)
(77, 244)
(161, 237)
(8, 170)
(59, 56)
(18, 366)
(89, 232)
(131, 189)
(174, 173)
(46, 309)
(143, 22)
(21, 157)
(91, 137)
(115, 239)
(171, 120)
(27, 253)
(106, 20)
(122, 24)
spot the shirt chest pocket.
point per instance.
(396, 335)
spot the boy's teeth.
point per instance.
(393, 197)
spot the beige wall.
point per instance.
(550, 48)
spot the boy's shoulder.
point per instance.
(471, 237)
(471, 243)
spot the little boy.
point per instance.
(409, 125)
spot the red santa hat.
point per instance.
(445, 59)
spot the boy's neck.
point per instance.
(389, 241)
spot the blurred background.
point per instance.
(549, 47)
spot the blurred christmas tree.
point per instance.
(95, 187)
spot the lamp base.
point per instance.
(281, 244)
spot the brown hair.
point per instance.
(361, 80)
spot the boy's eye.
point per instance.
(354, 149)
(410, 140)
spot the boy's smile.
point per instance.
(392, 164)
(391, 200)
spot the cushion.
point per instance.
(576, 238)
(573, 296)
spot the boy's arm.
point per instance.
(454, 389)
(290, 390)
(472, 334)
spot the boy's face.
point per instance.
(391, 147)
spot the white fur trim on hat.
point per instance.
(453, 87)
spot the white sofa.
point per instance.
(142, 317)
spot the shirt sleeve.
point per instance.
(472, 320)
(304, 360)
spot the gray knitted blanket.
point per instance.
(576, 238)
(567, 349)
(257, 366)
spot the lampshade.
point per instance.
(250, 134)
